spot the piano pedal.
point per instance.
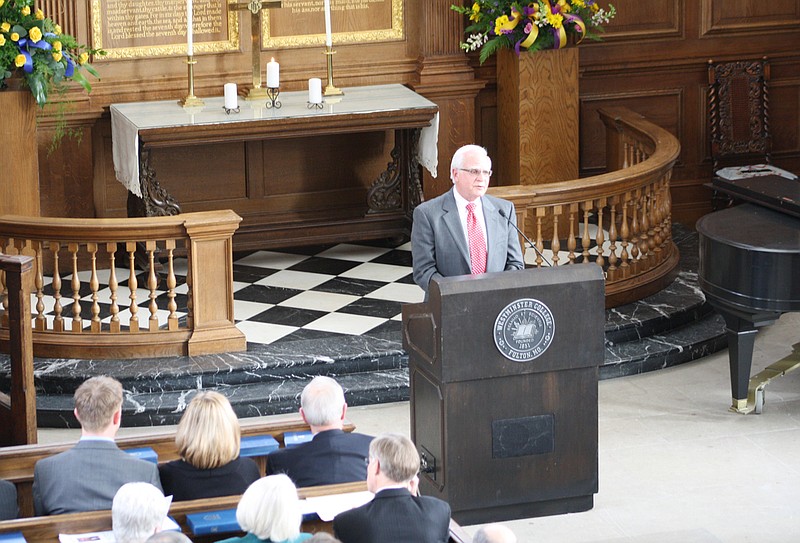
(758, 382)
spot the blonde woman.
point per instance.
(269, 512)
(208, 442)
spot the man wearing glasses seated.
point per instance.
(465, 231)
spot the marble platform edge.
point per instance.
(248, 400)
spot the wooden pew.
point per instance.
(16, 463)
(46, 529)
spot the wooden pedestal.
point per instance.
(537, 110)
(19, 184)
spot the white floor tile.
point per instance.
(377, 272)
(294, 279)
(320, 301)
(271, 259)
(399, 292)
(259, 332)
(357, 253)
(345, 324)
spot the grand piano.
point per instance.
(750, 273)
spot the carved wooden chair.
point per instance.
(738, 111)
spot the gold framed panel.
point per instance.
(292, 36)
(175, 36)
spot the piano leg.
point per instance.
(741, 340)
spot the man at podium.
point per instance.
(465, 231)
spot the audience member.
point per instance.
(333, 455)
(208, 440)
(171, 536)
(269, 512)
(395, 513)
(137, 512)
(86, 477)
(323, 537)
(494, 533)
(8, 500)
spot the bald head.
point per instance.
(494, 533)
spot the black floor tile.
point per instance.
(265, 295)
(372, 308)
(288, 316)
(329, 266)
(353, 287)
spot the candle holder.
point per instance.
(229, 110)
(330, 89)
(314, 105)
(191, 100)
(272, 95)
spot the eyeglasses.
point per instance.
(475, 172)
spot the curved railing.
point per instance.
(91, 308)
(620, 220)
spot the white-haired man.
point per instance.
(395, 513)
(333, 455)
(465, 231)
(137, 512)
(494, 533)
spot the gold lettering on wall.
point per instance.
(301, 23)
(152, 28)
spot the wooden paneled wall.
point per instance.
(653, 60)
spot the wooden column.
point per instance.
(537, 116)
(19, 184)
(446, 78)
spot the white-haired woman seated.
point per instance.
(269, 512)
(208, 440)
(137, 512)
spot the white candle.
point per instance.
(328, 40)
(231, 99)
(273, 74)
(189, 41)
(315, 90)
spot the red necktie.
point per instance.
(477, 245)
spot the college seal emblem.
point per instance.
(524, 330)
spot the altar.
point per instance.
(295, 174)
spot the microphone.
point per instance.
(530, 243)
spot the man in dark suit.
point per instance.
(86, 477)
(8, 500)
(395, 514)
(443, 227)
(333, 455)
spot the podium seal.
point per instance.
(524, 330)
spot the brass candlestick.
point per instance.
(191, 100)
(330, 89)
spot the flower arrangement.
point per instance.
(532, 26)
(33, 45)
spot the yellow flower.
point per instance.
(579, 3)
(474, 16)
(26, 10)
(84, 58)
(57, 56)
(2, 40)
(503, 23)
(57, 45)
(595, 7)
(19, 61)
(566, 8)
(14, 36)
(5, 27)
(57, 29)
(556, 20)
(39, 14)
(35, 34)
(2, 2)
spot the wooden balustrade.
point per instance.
(76, 253)
(620, 220)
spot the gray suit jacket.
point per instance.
(86, 477)
(8, 500)
(439, 246)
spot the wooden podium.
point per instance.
(503, 371)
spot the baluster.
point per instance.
(644, 231)
(658, 210)
(540, 211)
(625, 235)
(113, 285)
(133, 284)
(40, 322)
(3, 300)
(635, 233)
(152, 283)
(626, 153)
(572, 243)
(58, 320)
(600, 237)
(189, 287)
(555, 244)
(586, 239)
(172, 307)
(77, 322)
(94, 285)
(612, 238)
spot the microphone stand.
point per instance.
(530, 243)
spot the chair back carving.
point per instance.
(738, 107)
